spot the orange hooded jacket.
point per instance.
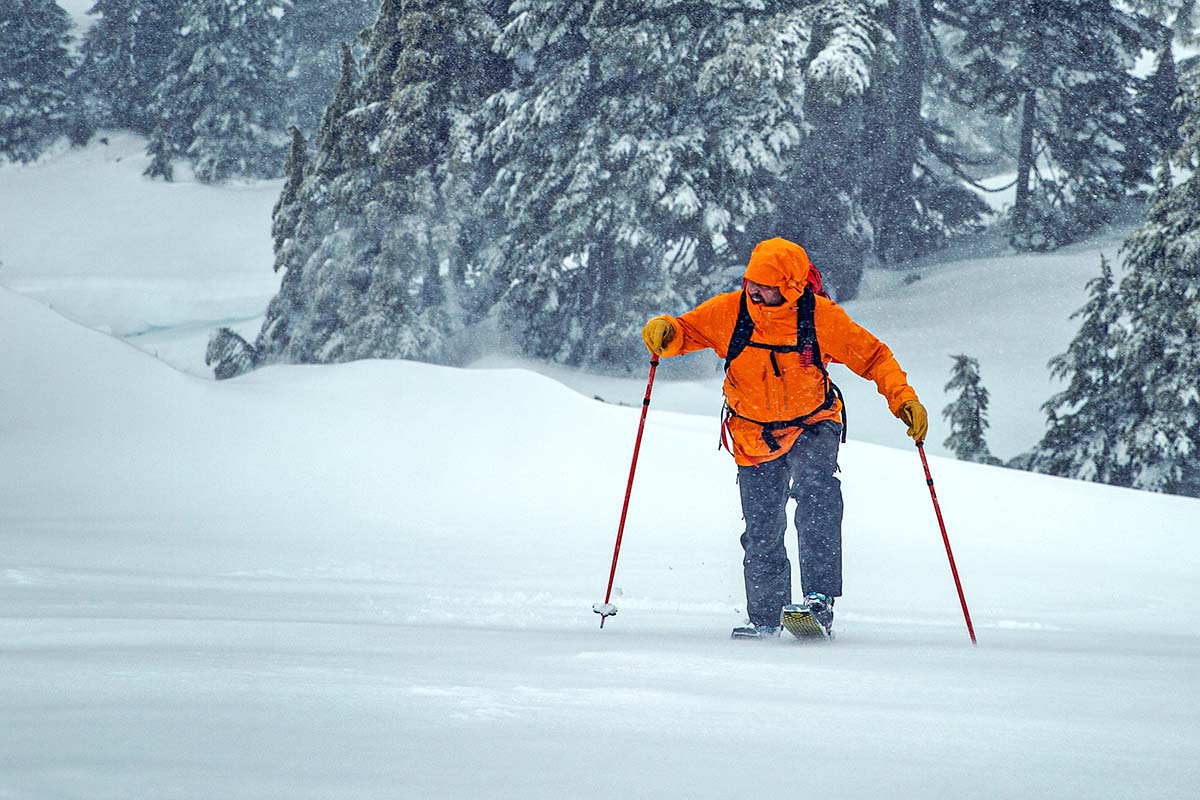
(752, 389)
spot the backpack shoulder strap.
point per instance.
(806, 329)
(743, 329)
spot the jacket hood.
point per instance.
(778, 262)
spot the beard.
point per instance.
(759, 300)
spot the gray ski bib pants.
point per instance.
(806, 475)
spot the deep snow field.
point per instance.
(375, 579)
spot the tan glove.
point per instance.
(657, 334)
(914, 415)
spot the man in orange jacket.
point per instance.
(785, 419)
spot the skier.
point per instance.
(785, 419)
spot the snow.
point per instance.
(376, 579)
(78, 11)
(165, 263)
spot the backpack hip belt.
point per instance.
(832, 395)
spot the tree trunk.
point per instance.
(1025, 156)
(900, 132)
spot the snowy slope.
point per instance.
(374, 580)
(86, 233)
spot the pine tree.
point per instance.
(430, 138)
(287, 208)
(220, 102)
(967, 415)
(629, 159)
(1158, 360)
(640, 153)
(1159, 101)
(228, 353)
(1131, 413)
(1064, 67)
(37, 102)
(161, 155)
(1159, 114)
(1082, 420)
(125, 56)
(384, 203)
(341, 141)
(329, 198)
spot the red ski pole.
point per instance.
(949, 554)
(607, 609)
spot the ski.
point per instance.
(798, 620)
(755, 632)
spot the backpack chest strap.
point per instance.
(806, 335)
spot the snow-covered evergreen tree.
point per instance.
(284, 217)
(1064, 67)
(1159, 102)
(37, 102)
(967, 414)
(1159, 114)
(1131, 412)
(313, 230)
(372, 245)
(125, 56)
(633, 162)
(1158, 360)
(162, 155)
(228, 353)
(641, 152)
(1083, 420)
(220, 103)
(430, 137)
(893, 128)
